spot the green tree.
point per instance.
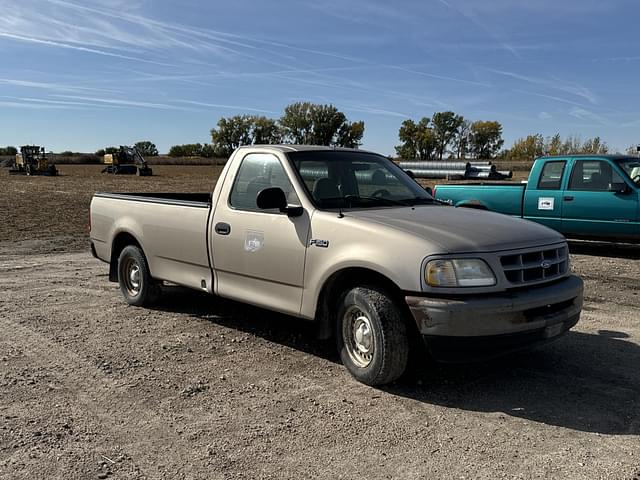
(231, 133)
(297, 123)
(308, 123)
(350, 134)
(407, 134)
(8, 151)
(418, 140)
(208, 151)
(187, 150)
(445, 126)
(485, 138)
(111, 150)
(147, 149)
(266, 131)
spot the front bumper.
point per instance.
(500, 322)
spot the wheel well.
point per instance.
(338, 283)
(121, 241)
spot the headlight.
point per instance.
(470, 272)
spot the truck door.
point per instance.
(598, 202)
(258, 255)
(543, 200)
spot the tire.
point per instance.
(136, 283)
(372, 336)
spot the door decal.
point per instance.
(546, 203)
(253, 241)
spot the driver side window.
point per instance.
(257, 172)
(594, 176)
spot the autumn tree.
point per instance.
(485, 138)
(528, 148)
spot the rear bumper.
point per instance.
(495, 324)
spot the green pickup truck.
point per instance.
(592, 197)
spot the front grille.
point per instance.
(535, 266)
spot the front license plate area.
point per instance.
(553, 330)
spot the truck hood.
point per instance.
(462, 230)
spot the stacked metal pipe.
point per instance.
(455, 170)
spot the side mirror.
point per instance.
(622, 188)
(274, 198)
(410, 173)
(270, 198)
(429, 190)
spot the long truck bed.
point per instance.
(172, 227)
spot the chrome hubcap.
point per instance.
(358, 336)
(131, 276)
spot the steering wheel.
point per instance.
(381, 192)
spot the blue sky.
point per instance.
(84, 75)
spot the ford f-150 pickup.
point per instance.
(585, 196)
(345, 238)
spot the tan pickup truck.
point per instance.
(345, 238)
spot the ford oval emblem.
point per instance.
(545, 264)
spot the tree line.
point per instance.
(444, 134)
(533, 146)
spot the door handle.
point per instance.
(568, 198)
(222, 228)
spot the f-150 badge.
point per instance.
(319, 243)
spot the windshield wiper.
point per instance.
(421, 201)
(388, 201)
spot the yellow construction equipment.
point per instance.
(33, 160)
(126, 161)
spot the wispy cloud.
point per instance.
(123, 102)
(552, 83)
(49, 86)
(53, 43)
(583, 114)
(475, 20)
(226, 107)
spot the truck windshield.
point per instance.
(631, 166)
(345, 179)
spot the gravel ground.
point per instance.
(205, 388)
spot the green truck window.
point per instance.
(594, 176)
(551, 176)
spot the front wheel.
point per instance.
(134, 277)
(372, 336)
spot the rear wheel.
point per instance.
(134, 277)
(372, 336)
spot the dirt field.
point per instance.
(205, 388)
